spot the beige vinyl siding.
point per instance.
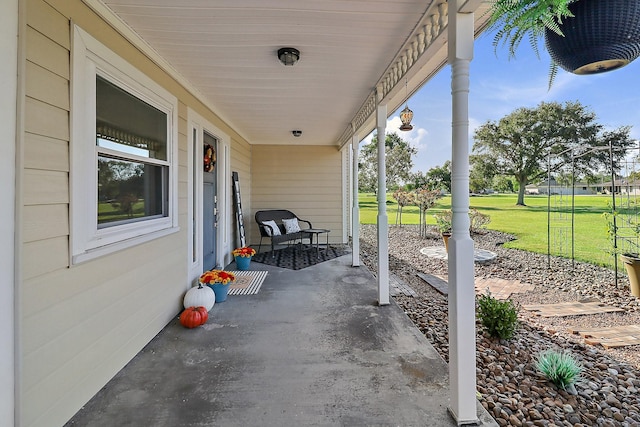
(45, 153)
(241, 163)
(306, 180)
(80, 324)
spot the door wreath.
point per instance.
(209, 158)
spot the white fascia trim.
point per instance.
(134, 38)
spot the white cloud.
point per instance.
(414, 137)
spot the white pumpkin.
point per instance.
(199, 296)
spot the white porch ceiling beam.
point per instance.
(421, 57)
(462, 334)
(421, 48)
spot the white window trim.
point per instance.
(90, 57)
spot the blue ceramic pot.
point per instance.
(220, 290)
(243, 262)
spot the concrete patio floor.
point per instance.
(312, 348)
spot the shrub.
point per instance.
(443, 220)
(500, 318)
(561, 368)
(478, 220)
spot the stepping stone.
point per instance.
(619, 336)
(570, 309)
(480, 256)
(501, 288)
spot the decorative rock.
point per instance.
(514, 421)
(611, 400)
(512, 389)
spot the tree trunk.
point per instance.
(522, 185)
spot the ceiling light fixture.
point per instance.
(288, 55)
(406, 115)
(296, 133)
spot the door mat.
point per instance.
(296, 258)
(247, 282)
(619, 336)
(570, 309)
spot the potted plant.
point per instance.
(243, 257)
(443, 222)
(582, 36)
(632, 265)
(219, 281)
(631, 260)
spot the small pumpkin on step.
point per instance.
(192, 317)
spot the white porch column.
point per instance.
(462, 335)
(383, 220)
(8, 106)
(355, 211)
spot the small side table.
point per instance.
(317, 232)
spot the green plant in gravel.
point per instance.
(560, 367)
(500, 318)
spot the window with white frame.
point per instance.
(124, 153)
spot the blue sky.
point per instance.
(499, 86)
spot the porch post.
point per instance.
(383, 221)
(462, 335)
(355, 212)
(9, 19)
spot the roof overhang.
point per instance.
(225, 52)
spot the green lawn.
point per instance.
(528, 223)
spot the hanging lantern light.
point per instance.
(406, 115)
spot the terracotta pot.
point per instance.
(632, 264)
(445, 238)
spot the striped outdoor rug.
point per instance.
(247, 282)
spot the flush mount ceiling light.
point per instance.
(288, 55)
(296, 133)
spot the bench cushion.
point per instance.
(274, 227)
(291, 225)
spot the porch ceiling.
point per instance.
(226, 50)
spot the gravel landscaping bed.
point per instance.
(508, 384)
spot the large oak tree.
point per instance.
(529, 141)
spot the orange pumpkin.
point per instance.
(192, 317)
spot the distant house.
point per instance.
(622, 186)
(553, 187)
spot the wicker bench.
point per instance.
(280, 236)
